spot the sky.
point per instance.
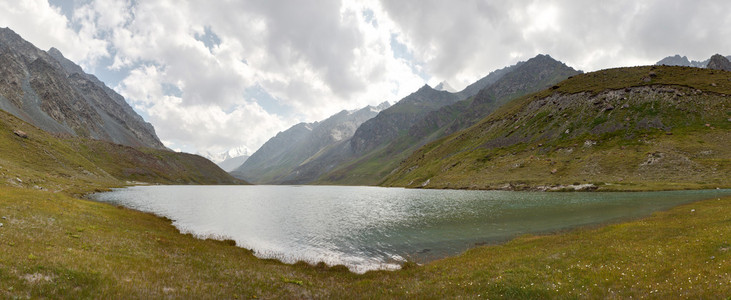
(216, 75)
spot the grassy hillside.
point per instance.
(618, 129)
(48, 162)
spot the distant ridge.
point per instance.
(683, 61)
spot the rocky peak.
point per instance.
(718, 62)
(444, 86)
(67, 65)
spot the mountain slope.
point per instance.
(275, 161)
(501, 86)
(54, 94)
(625, 128)
(31, 157)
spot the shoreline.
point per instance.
(410, 262)
(94, 250)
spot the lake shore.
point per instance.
(63, 247)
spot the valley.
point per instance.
(386, 185)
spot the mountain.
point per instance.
(34, 158)
(678, 60)
(228, 160)
(54, 94)
(444, 86)
(232, 163)
(375, 162)
(392, 122)
(275, 161)
(718, 62)
(660, 127)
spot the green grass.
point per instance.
(56, 246)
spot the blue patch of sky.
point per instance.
(109, 76)
(370, 17)
(66, 6)
(270, 104)
(171, 90)
(400, 51)
(209, 38)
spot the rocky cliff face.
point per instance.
(51, 92)
(718, 62)
(275, 161)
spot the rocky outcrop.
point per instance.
(56, 95)
(718, 62)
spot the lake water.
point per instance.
(367, 228)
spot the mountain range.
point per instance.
(228, 160)
(278, 159)
(382, 141)
(678, 60)
(390, 147)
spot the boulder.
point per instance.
(20, 133)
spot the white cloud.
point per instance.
(48, 27)
(189, 67)
(463, 40)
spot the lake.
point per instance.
(368, 228)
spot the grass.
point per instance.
(57, 246)
(64, 163)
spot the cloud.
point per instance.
(214, 75)
(462, 40)
(48, 27)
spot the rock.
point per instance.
(718, 62)
(625, 106)
(554, 171)
(609, 108)
(1, 224)
(646, 79)
(425, 183)
(20, 133)
(652, 74)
